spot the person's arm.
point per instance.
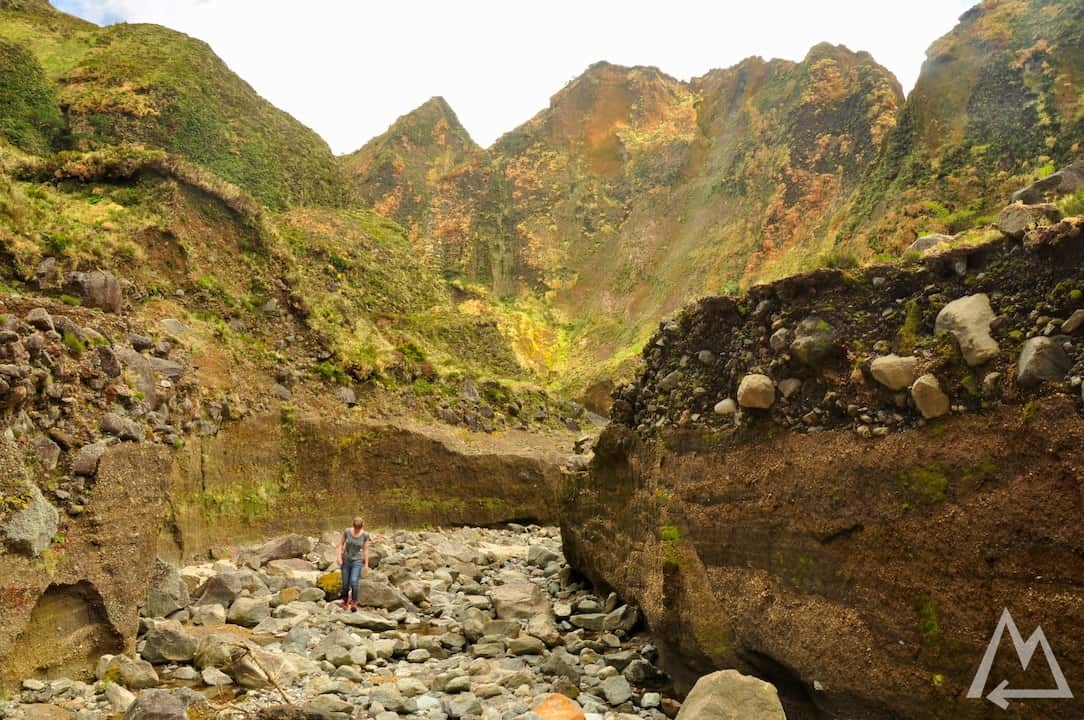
(365, 556)
(342, 544)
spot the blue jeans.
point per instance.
(351, 576)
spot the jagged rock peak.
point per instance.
(438, 121)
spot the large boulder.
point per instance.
(929, 241)
(545, 629)
(729, 695)
(814, 341)
(293, 569)
(132, 674)
(616, 689)
(621, 619)
(642, 673)
(368, 621)
(463, 705)
(526, 645)
(1074, 323)
(31, 530)
(221, 589)
(217, 649)
(166, 592)
(726, 407)
(249, 611)
(256, 669)
(519, 601)
(756, 391)
(157, 705)
(119, 697)
(968, 320)
(1041, 359)
(893, 371)
(121, 427)
(1063, 182)
(1016, 219)
(558, 707)
(86, 459)
(381, 594)
(929, 398)
(96, 288)
(389, 696)
(168, 642)
(212, 614)
(283, 548)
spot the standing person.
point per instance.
(354, 559)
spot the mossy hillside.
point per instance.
(997, 105)
(557, 250)
(634, 193)
(29, 115)
(109, 208)
(347, 286)
(378, 306)
(56, 39)
(149, 85)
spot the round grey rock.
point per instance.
(1041, 359)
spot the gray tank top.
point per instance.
(352, 545)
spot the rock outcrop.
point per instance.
(863, 580)
(274, 474)
(81, 599)
(1066, 181)
(968, 320)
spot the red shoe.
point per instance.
(344, 604)
(353, 606)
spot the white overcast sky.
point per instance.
(349, 68)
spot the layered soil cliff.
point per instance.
(842, 537)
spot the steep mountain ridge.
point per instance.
(197, 305)
(427, 143)
(634, 192)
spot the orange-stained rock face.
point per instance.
(558, 707)
(634, 192)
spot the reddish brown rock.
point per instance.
(558, 707)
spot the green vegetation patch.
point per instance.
(929, 624)
(148, 85)
(30, 117)
(669, 533)
(931, 481)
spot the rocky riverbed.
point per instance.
(465, 623)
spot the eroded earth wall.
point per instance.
(824, 533)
